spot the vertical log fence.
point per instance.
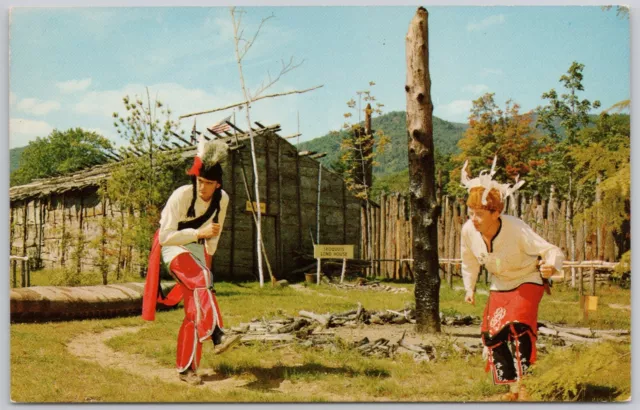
(392, 237)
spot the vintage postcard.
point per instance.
(320, 204)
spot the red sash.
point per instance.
(152, 294)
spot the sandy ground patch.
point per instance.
(92, 347)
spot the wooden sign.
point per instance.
(263, 207)
(333, 251)
(588, 303)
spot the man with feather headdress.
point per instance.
(520, 263)
(190, 227)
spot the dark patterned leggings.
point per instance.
(510, 352)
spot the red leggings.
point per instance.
(201, 311)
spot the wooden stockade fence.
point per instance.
(25, 272)
(392, 236)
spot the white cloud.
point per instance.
(493, 71)
(21, 131)
(489, 21)
(457, 110)
(37, 107)
(476, 88)
(223, 30)
(73, 86)
(98, 106)
(13, 98)
(179, 99)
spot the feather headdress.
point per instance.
(208, 155)
(486, 181)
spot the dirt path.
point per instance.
(92, 347)
(619, 306)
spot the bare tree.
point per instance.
(424, 206)
(242, 47)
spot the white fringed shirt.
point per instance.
(174, 241)
(514, 257)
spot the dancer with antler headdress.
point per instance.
(190, 228)
(519, 261)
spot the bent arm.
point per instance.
(534, 245)
(171, 215)
(211, 244)
(470, 265)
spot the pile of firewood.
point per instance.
(362, 284)
(563, 336)
(314, 330)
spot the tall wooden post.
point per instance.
(279, 248)
(234, 207)
(14, 269)
(422, 175)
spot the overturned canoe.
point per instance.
(48, 303)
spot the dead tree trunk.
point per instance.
(422, 175)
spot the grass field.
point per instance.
(43, 370)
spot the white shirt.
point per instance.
(514, 257)
(174, 241)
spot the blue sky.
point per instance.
(70, 67)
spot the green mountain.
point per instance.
(14, 158)
(395, 158)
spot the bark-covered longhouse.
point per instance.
(51, 220)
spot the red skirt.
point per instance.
(519, 305)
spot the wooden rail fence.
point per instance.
(392, 237)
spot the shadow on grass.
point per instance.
(586, 393)
(271, 377)
(227, 293)
(592, 392)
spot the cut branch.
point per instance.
(253, 100)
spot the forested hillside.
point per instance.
(445, 135)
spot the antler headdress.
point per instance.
(485, 180)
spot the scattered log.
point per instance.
(411, 347)
(566, 336)
(268, 338)
(322, 319)
(306, 269)
(583, 335)
(311, 330)
(292, 327)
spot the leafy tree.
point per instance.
(507, 134)
(59, 153)
(140, 184)
(572, 112)
(359, 150)
(560, 166)
(361, 147)
(604, 156)
(621, 11)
